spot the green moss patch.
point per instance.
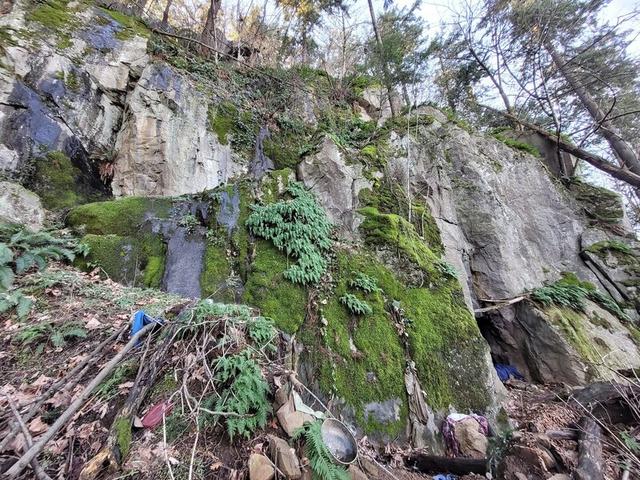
(600, 204)
(131, 26)
(571, 324)
(517, 144)
(124, 216)
(396, 233)
(59, 183)
(215, 272)
(391, 198)
(267, 289)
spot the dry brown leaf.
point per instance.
(94, 324)
(58, 447)
(37, 426)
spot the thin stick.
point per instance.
(39, 471)
(67, 382)
(164, 441)
(68, 414)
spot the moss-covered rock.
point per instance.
(367, 354)
(600, 204)
(267, 289)
(124, 216)
(120, 241)
(59, 183)
(394, 232)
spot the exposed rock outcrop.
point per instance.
(165, 146)
(336, 184)
(19, 205)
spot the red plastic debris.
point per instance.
(153, 417)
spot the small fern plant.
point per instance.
(243, 392)
(365, 283)
(572, 295)
(355, 305)
(316, 451)
(22, 250)
(299, 227)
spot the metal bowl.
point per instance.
(340, 442)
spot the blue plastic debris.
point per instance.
(141, 319)
(448, 476)
(507, 371)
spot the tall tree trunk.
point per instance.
(492, 77)
(165, 14)
(385, 67)
(210, 30)
(622, 150)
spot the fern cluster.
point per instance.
(262, 331)
(22, 250)
(573, 296)
(244, 393)
(42, 333)
(355, 305)
(365, 283)
(299, 227)
(316, 451)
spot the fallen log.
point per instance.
(75, 406)
(116, 448)
(608, 402)
(589, 451)
(435, 464)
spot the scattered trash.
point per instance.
(442, 476)
(460, 443)
(505, 372)
(153, 417)
(340, 441)
(141, 319)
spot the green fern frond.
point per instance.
(316, 451)
(355, 305)
(298, 227)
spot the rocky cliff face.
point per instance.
(442, 219)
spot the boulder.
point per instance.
(335, 184)
(284, 457)
(260, 468)
(472, 442)
(19, 205)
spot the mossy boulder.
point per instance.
(124, 216)
(122, 238)
(600, 204)
(61, 184)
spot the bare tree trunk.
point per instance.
(209, 32)
(494, 80)
(623, 151)
(598, 162)
(385, 67)
(165, 14)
